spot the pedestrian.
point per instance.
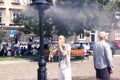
(86, 48)
(81, 46)
(5, 51)
(51, 48)
(12, 52)
(19, 51)
(102, 58)
(34, 51)
(64, 68)
(2, 52)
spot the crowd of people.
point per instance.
(18, 51)
(25, 51)
(102, 57)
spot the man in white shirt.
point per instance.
(102, 58)
(64, 68)
(86, 48)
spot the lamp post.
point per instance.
(41, 5)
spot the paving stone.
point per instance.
(27, 70)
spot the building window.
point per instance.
(27, 1)
(81, 37)
(92, 37)
(15, 2)
(14, 15)
(0, 17)
(117, 36)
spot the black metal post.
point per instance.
(41, 5)
(42, 75)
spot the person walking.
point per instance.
(102, 58)
(64, 67)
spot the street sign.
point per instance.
(11, 33)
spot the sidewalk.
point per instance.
(26, 70)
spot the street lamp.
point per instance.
(41, 5)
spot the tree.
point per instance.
(103, 2)
(33, 0)
(30, 24)
(2, 35)
(117, 4)
(55, 25)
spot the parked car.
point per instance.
(116, 44)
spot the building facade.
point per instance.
(9, 10)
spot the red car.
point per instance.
(116, 44)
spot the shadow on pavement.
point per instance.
(86, 78)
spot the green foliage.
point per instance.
(14, 58)
(49, 1)
(2, 35)
(103, 2)
(70, 3)
(80, 3)
(117, 3)
(33, 0)
(30, 24)
(54, 25)
(87, 34)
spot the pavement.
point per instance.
(27, 70)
